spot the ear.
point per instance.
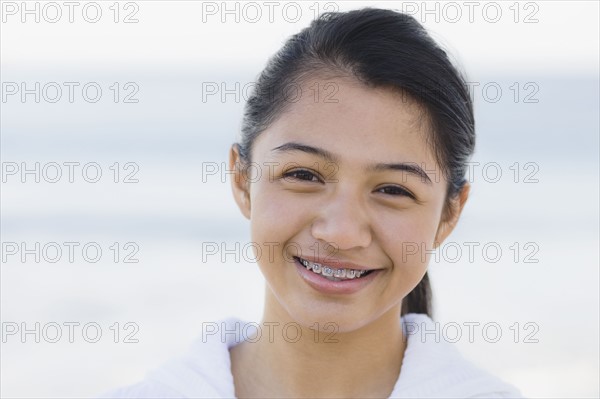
(239, 184)
(451, 216)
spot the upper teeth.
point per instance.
(331, 273)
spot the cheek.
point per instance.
(276, 216)
(406, 239)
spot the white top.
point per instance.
(430, 369)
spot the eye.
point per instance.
(302, 174)
(396, 191)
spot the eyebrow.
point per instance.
(409, 167)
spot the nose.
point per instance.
(343, 222)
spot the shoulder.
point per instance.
(432, 367)
(203, 372)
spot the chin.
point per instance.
(333, 318)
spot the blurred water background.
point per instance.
(172, 135)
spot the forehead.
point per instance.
(359, 123)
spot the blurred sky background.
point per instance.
(170, 54)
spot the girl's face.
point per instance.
(350, 184)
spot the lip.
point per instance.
(337, 263)
(325, 286)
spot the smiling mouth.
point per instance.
(333, 274)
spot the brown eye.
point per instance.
(396, 191)
(302, 174)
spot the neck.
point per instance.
(307, 363)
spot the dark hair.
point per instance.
(382, 49)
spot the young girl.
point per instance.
(351, 171)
